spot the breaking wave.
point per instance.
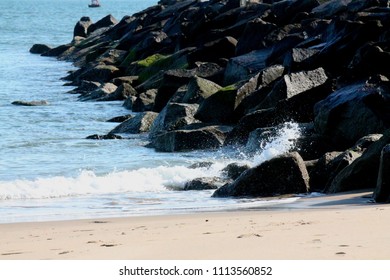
(156, 179)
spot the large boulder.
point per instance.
(144, 101)
(85, 87)
(331, 163)
(253, 35)
(342, 38)
(352, 112)
(81, 27)
(285, 174)
(138, 124)
(107, 21)
(109, 57)
(206, 137)
(57, 50)
(257, 89)
(199, 89)
(100, 93)
(40, 48)
(322, 171)
(205, 183)
(245, 66)
(234, 170)
(293, 84)
(173, 116)
(100, 73)
(248, 123)
(218, 107)
(297, 58)
(122, 92)
(223, 106)
(171, 81)
(213, 51)
(370, 59)
(362, 173)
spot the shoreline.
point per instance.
(336, 227)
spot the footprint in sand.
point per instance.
(109, 245)
(64, 252)
(249, 235)
(99, 222)
(12, 253)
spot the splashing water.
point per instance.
(140, 191)
(281, 143)
(154, 179)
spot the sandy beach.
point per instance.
(344, 226)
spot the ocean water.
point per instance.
(49, 171)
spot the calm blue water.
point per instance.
(48, 170)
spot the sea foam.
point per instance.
(142, 180)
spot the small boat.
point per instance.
(94, 4)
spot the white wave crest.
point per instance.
(281, 143)
(88, 183)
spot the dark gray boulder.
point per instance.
(297, 58)
(30, 103)
(81, 27)
(144, 101)
(40, 48)
(106, 21)
(171, 81)
(205, 183)
(222, 105)
(322, 171)
(248, 123)
(284, 174)
(199, 89)
(140, 123)
(362, 173)
(110, 57)
(85, 87)
(245, 66)
(173, 116)
(100, 93)
(352, 112)
(253, 36)
(219, 107)
(122, 92)
(258, 87)
(100, 73)
(56, 51)
(234, 170)
(206, 137)
(331, 163)
(293, 84)
(213, 51)
(369, 60)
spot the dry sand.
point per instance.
(334, 227)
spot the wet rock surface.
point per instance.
(216, 72)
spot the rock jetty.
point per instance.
(207, 74)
